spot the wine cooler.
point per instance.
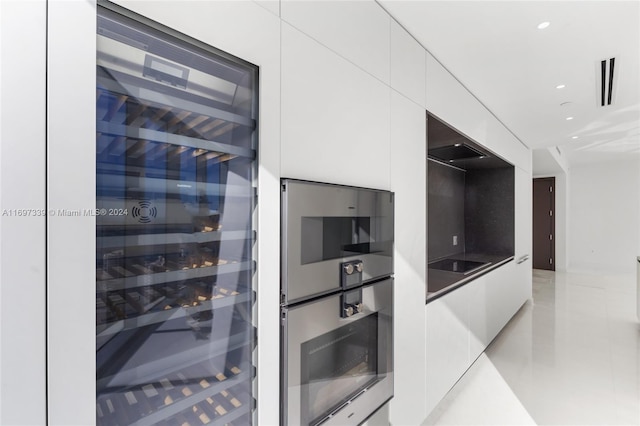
(175, 227)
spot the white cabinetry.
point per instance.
(22, 186)
(356, 30)
(523, 231)
(408, 182)
(335, 117)
(501, 298)
(71, 153)
(447, 343)
(452, 103)
(479, 334)
(408, 66)
(461, 324)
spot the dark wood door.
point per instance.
(544, 224)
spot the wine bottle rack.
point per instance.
(221, 394)
(175, 257)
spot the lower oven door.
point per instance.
(337, 371)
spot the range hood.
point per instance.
(459, 151)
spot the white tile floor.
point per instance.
(569, 357)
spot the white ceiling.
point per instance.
(495, 49)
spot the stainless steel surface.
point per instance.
(313, 202)
(359, 267)
(348, 268)
(301, 325)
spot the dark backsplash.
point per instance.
(489, 211)
(476, 205)
(446, 210)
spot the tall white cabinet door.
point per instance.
(23, 212)
(335, 117)
(71, 153)
(523, 233)
(447, 343)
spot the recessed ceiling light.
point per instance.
(569, 118)
(544, 25)
(574, 137)
(458, 144)
(560, 86)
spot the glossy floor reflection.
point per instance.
(569, 357)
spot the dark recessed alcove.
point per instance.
(470, 197)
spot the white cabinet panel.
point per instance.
(524, 230)
(461, 324)
(408, 181)
(408, 65)
(504, 143)
(272, 6)
(479, 336)
(447, 343)
(448, 100)
(22, 186)
(494, 299)
(335, 117)
(242, 28)
(356, 30)
(502, 299)
(71, 128)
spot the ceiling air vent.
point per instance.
(606, 79)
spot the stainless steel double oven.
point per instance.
(336, 303)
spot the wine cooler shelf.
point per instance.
(142, 103)
(115, 313)
(185, 398)
(200, 237)
(118, 140)
(193, 271)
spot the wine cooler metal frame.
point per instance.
(129, 139)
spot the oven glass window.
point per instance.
(334, 237)
(337, 365)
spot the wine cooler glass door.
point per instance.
(175, 201)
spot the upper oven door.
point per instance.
(324, 226)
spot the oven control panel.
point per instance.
(351, 273)
(351, 303)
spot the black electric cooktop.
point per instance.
(458, 265)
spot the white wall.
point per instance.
(548, 162)
(22, 186)
(604, 216)
(562, 217)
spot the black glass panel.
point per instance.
(336, 365)
(457, 265)
(334, 237)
